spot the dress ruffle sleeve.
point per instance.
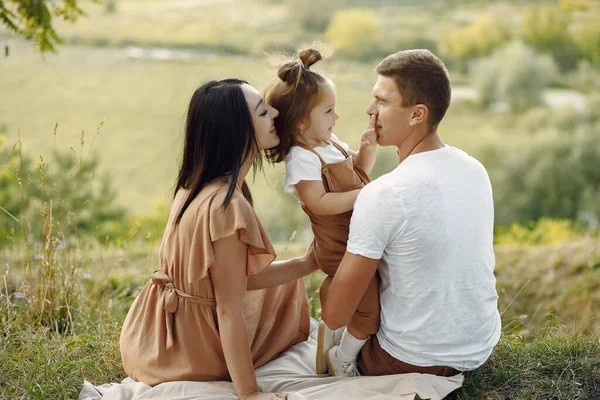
(219, 222)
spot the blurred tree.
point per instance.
(33, 19)
(74, 187)
(480, 38)
(110, 7)
(555, 175)
(355, 33)
(587, 38)
(586, 78)
(581, 5)
(547, 29)
(514, 74)
(313, 15)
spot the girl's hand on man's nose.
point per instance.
(369, 136)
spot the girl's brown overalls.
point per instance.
(331, 235)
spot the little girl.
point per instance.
(325, 177)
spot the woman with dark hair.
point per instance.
(195, 320)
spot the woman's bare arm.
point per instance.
(280, 272)
(228, 275)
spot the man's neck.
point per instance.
(430, 142)
(419, 143)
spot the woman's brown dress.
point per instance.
(171, 332)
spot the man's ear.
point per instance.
(419, 115)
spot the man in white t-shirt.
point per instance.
(427, 227)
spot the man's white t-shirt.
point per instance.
(304, 165)
(431, 222)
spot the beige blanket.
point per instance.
(292, 373)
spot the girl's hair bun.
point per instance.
(308, 57)
(291, 71)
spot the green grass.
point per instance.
(546, 368)
(39, 363)
(556, 286)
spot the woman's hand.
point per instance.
(281, 272)
(309, 258)
(264, 396)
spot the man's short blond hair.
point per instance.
(421, 78)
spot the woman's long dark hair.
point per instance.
(219, 138)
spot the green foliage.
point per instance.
(514, 74)
(11, 178)
(555, 174)
(564, 31)
(587, 38)
(355, 33)
(477, 39)
(546, 29)
(577, 5)
(586, 78)
(34, 19)
(543, 231)
(66, 188)
(150, 227)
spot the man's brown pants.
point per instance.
(373, 360)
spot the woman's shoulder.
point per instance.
(211, 199)
(218, 194)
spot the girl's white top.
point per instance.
(303, 165)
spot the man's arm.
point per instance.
(347, 289)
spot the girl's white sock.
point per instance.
(349, 348)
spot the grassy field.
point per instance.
(544, 351)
